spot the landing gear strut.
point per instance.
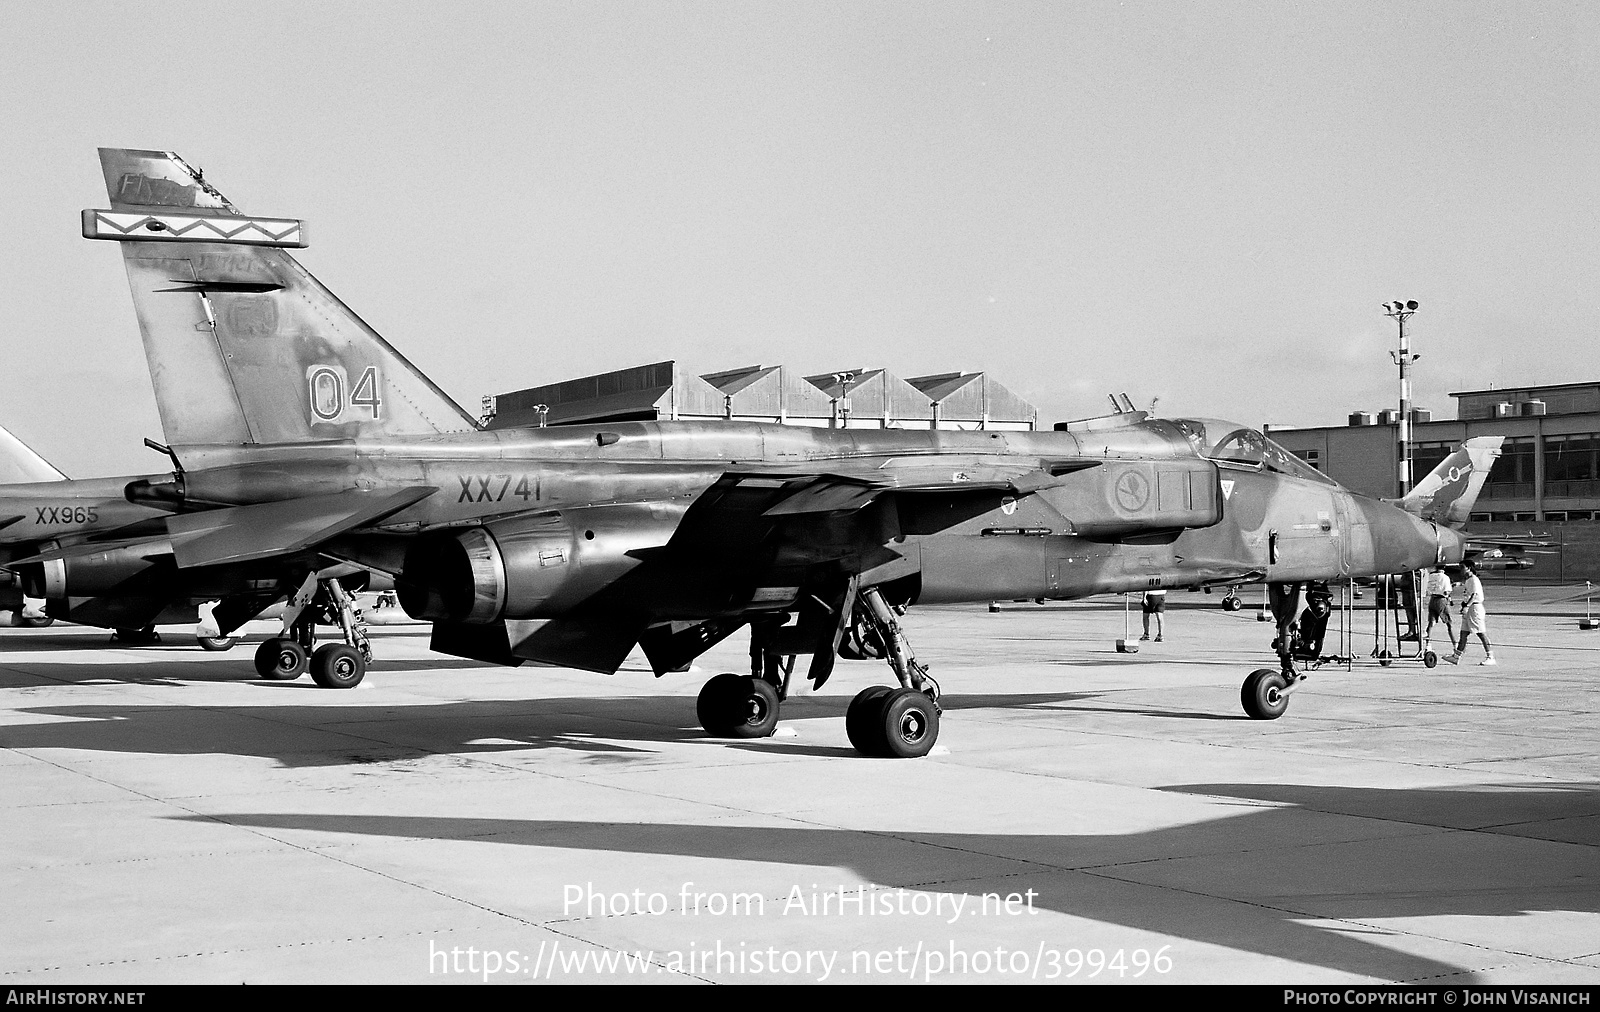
(1265, 694)
(900, 722)
(892, 722)
(333, 665)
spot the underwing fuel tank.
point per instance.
(529, 566)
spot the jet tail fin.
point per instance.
(243, 344)
(1447, 493)
(18, 462)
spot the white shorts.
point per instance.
(1473, 619)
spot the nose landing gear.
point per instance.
(1265, 693)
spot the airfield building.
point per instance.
(1547, 478)
(854, 398)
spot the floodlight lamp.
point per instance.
(1412, 305)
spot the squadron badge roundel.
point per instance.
(1133, 491)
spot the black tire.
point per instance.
(862, 716)
(42, 622)
(136, 637)
(907, 724)
(216, 642)
(1385, 658)
(1430, 659)
(281, 660)
(338, 666)
(1263, 696)
(738, 706)
(1232, 604)
(716, 704)
(759, 710)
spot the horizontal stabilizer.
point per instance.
(241, 533)
(18, 462)
(488, 642)
(588, 643)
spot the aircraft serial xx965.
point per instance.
(301, 440)
(122, 575)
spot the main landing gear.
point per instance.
(889, 721)
(286, 656)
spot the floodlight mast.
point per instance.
(1401, 311)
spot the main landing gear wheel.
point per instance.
(738, 706)
(861, 715)
(337, 666)
(281, 660)
(216, 642)
(1264, 694)
(892, 723)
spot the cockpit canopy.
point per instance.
(1230, 442)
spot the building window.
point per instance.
(1570, 465)
(1427, 456)
(1512, 476)
(1311, 457)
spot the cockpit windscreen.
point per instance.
(1240, 444)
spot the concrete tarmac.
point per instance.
(1088, 817)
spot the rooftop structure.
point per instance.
(849, 398)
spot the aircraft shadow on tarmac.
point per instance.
(320, 731)
(1421, 873)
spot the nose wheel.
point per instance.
(1265, 694)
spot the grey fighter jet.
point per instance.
(302, 439)
(121, 575)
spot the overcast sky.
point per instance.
(1204, 203)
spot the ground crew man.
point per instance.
(1473, 617)
(1155, 603)
(1439, 590)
